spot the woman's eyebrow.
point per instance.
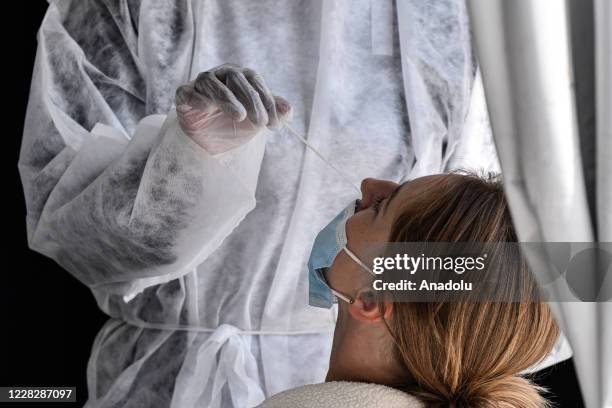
(392, 195)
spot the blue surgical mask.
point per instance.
(329, 242)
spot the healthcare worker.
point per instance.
(196, 248)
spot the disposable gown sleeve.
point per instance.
(121, 210)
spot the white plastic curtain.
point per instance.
(547, 69)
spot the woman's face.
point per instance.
(371, 223)
(359, 350)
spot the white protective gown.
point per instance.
(200, 261)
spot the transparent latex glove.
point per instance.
(226, 106)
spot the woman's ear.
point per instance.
(368, 309)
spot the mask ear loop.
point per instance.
(344, 297)
(357, 260)
(339, 295)
(315, 151)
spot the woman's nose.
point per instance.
(374, 189)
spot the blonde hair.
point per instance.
(469, 354)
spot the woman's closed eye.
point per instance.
(376, 204)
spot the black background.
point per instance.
(49, 319)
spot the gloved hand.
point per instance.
(226, 106)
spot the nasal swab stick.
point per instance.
(315, 151)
